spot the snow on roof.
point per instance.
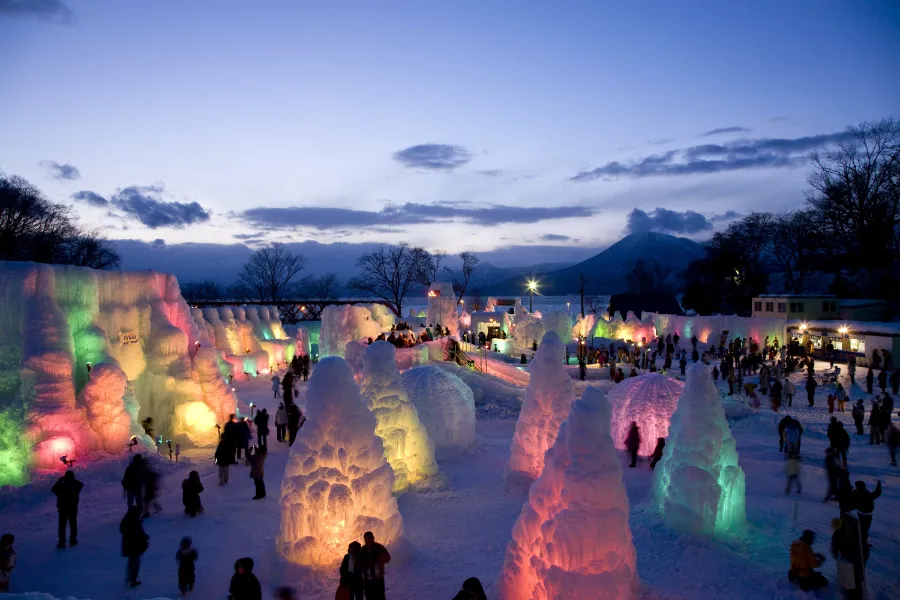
(796, 296)
(853, 327)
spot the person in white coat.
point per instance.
(280, 422)
(788, 390)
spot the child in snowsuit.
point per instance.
(7, 560)
(186, 556)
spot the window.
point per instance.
(757, 306)
(770, 307)
(829, 306)
(858, 345)
(793, 307)
(799, 307)
(782, 307)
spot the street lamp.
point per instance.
(532, 288)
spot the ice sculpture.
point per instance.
(698, 485)
(528, 330)
(407, 446)
(446, 407)
(442, 307)
(572, 538)
(559, 322)
(251, 338)
(546, 405)
(648, 400)
(341, 324)
(353, 354)
(337, 484)
(85, 355)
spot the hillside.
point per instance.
(607, 272)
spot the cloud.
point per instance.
(728, 215)
(92, 198)
(144, 204)
(554, 237)
(50, 10)
(407, 214)
(763, 153)
(436, 157)
(61, 172)
(721, 130)
(667, 221)
(491, 172)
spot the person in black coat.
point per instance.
(186, 557)
(882, 380)
(657, 452)
(262, 427)
(133, 482)
(190, 494)
(151, 490)
(243, 436)
(352, 571)
(811, 386)
(293, 424)
(864, 503)
(870, 380)
(633, 443)
(135, 542)
(244, 584)
(67, 491)
(224, 459)
(471, 590)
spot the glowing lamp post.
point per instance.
(532, 288)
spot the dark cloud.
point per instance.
(716, 158)
(721, 130)
(555, 237)
(158, 243)
(89, 197)
(50, 10)
(61, 172)
(728, 215)
(144, 204)
(435, 157)
(246, 236)
(407, 214)
(666, 221)
(662, 141)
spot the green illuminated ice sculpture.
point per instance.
(698, 486)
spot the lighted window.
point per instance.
(816, 341)
(858, 345)
(782, 307)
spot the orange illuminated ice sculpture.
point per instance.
(572, 539)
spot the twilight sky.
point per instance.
(456, 125)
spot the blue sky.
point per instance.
(456, 125)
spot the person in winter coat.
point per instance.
(135, 542)
(351, 586)
(840, 441)
(280, 422)
(633, 442)
(859, 416)
(276, 385)
(851, 369)
(657, 452)
(244, 584)
(186, 557)
(224, 459)
(833, 471)
(844, 549)
(811, 390)
(256, 460)
(792, 468)
(887, 410)
(870, 380)
(190, 494)
(7, 560)
(893, 442)
(294, 421)
(895, 381)
(875, 424)
(882, 380)
(262, 427)
(582, 369)
(830, 402)
(243, 436)
(803, 563)
(775, 395)
(133, 482)
(374, 558)
(764, 381)
(151, 491)
(715, 373)
(471, 590)
(682, 365)
(67, 491)
(287, 388)
(864, 502)
(841, 397)
(788, 390)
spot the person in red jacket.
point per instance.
(803, 563)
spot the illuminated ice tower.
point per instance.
(698, 485)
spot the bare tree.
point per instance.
(431, 267)
(89, 249)
(647, 277)
(201, 291)
(476, 300)
(389, 273)
(796, 247)
(469, 261)
(322, 287)
(271, 273)
(594, 305)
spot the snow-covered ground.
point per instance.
(459, 529)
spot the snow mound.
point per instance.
(698, 485)
(572, 539)
(407, 446)
(649, 400)
(546, 405)
(337, 484)
(446, 407)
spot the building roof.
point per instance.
(796, 296)
(856, 302)
(665, 304)
(853, 327)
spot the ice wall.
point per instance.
(572, 538)
(649, 400)
(138, 337)
(337, 484)
(442, 306)
(704, 326)
(251, 338)
(446, 407)
(546, 405)
(344, 323)
(698, 485)
(407, 446)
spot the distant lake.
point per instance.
(540, 303)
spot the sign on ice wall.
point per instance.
(128, 337)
